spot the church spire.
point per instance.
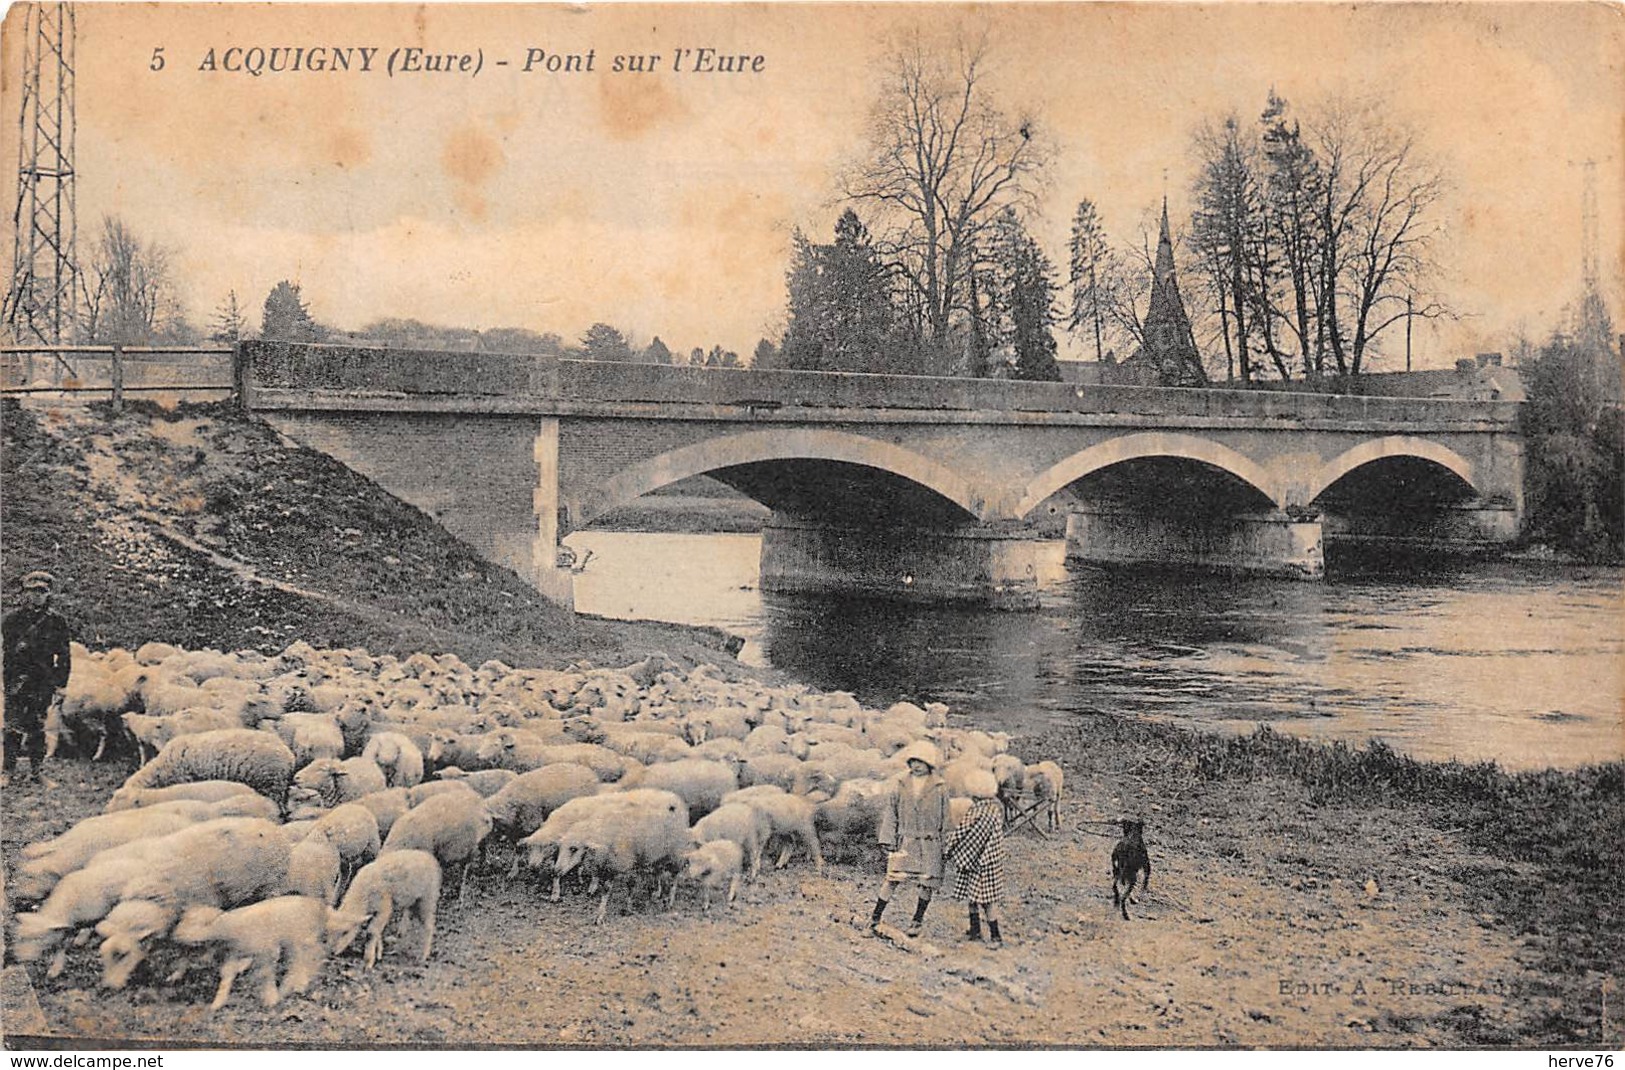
(1168, 338)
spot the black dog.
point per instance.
(1129, 860)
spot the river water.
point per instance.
(1521, 663)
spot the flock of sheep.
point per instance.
(286, 804)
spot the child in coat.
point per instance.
(976, 848)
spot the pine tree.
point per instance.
(657, 353)
(228, 325)
(286, 318)
(603, 342)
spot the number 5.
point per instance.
(157, 63)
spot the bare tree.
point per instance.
(129, 294)
(942, 162)
(1377, 229)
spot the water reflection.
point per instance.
(1519, 663)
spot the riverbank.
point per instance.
(1298, 899)
(1302, 895)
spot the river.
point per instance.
(1521, 663)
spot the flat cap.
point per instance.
(38, 580)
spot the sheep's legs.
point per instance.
(228, 975)
(603, 907)
(733, 888)
(59, 962)
(375, 941)
(426, 915)
(303, 966)
(555, 896)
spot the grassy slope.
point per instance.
(128, 511)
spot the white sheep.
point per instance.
(451, 827)
(44, 864)
(793, 817)
(542, 846)
(314, 868)
(386, 806)
(246, 755)
(80, 899)
(331, 782)
(406, 881)
(620, 845)
(520, 808)
(199, 790)
(289, 929)
(311, 736)
(713, 865)
(223, 863)
(698, 782)
(485, 782)
(397, 756)
(1046, 781)
(740, 823)
(151, 733)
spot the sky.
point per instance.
(664, 202)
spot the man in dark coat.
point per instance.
(37, 662)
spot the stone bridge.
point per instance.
(935, 488)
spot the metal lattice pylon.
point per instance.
(42, 301)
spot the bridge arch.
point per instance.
(777, 445)
(1140, 445)
(1390, 446)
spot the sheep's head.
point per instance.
(698, 865)
(343, 927)
(317, 781)
(574, 851)
(125, 932)
(584, 730)
(439, 744)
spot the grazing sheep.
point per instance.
(128, 798)
(780, 770)
(451, 827)
(80, 899)
(407, 881)
(223, 863)
(619, 845)
(258, 759)
(398, 757)
(712, 865)
(44, 864)
(152, 733)
(311, 736)
(542, 845)
(486, 782)
(332, 782)
(289, 929)
(699, 783)
(520, 808)
(353, 830)
(314, 868)
(465, 751)
(849, 821)
(740, 823)
(793, 817)
(1046, 781)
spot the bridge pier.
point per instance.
(556, 584)
(973, 565)
(1474, 526)
(1269, 544)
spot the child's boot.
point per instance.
(995, 941)
(874, 919)
(975, 930)
(914, 926)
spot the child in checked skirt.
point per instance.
(976, 848)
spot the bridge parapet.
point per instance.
(549, 385)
